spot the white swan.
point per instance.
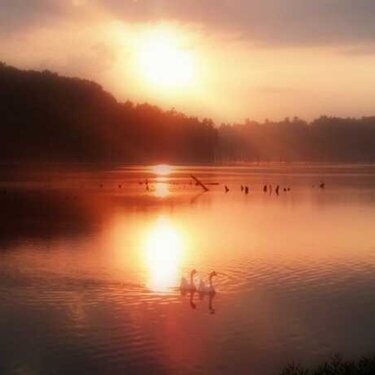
(186, 285)
(207, 288)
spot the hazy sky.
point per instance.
(226, 59)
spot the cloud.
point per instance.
(360, 50)
(268, 22)
(97, 39)
(276, 90)
(19, 16)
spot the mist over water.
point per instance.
(91, 261)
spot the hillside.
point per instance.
(46, 117)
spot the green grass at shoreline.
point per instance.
(336, 366)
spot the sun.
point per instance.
(163, 60)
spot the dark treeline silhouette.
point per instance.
(327, 139)
(45, 117)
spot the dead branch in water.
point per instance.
(200, 183)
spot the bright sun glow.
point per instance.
(163, 248)
(164, 62)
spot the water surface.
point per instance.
(90, 263)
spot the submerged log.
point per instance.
(200, 183)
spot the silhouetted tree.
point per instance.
(327, 139)
(45, 117)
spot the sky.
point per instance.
(225, 59)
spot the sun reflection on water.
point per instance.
(163, 253)
(162, 169)
(161, 189)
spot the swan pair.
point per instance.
(203, 287)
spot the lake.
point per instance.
(91, 262)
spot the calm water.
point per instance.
(89, 274)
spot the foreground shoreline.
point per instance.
(336, 365)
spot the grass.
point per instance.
(336, 366)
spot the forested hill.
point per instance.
(45, 117)
(326, 139)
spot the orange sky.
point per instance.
(225, 59)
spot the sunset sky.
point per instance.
(225, 59)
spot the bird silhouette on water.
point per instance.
(226, 188)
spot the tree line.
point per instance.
(46, 117)
(326, 139)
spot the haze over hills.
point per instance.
(46, 117)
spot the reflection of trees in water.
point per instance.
(42, 215)
(45, 214)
